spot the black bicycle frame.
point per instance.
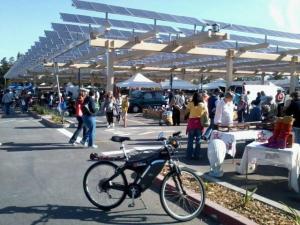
(146, 169)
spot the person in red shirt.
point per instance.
(279, 99)
(79, 117)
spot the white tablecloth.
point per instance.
(257, 154)
(230, 138)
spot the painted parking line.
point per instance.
(68, 134)
(117, 132)
(138, 148)
(12, 120)
(137, 122)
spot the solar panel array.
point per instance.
(64, 36)
(99, 7)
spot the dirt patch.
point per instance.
(253, 209)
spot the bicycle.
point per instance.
(106, 186)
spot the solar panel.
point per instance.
(99, 7)
(241, 38)
(115, 23)
(52, 35)
(256, 30)
(119, 10)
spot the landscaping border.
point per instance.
(218, 212)
(46, 121)
(34, 115)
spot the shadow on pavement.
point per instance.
(41, 127)
(12, 147)
(59, 212)
(15, 115)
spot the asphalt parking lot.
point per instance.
(41, 179)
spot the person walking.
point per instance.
(294, 110)
(24, 99)
(246, 99)
(109, 107)
(177, 104)
(7, 100)
(196, 110)
(118, 107)
(79, 116)
(211, 106)
(279, 99)
(125, 106)
(89, 120)
(241, 109)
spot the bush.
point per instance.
(57, 119)
(41, 110)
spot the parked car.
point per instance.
(143, 99)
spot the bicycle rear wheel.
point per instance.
(182, 195)
(104, 198)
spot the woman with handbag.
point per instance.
(197, 119)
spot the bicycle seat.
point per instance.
(176, 134)
(119, 139)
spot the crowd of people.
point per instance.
(87, 106)
(11, 100)
(213, 108)
(222, 109)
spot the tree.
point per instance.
(4, 67)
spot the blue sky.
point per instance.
(23, 21)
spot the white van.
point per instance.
(270, 90)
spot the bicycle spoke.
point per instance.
(98, 191)
(182, 207)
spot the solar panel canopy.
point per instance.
(68, 41)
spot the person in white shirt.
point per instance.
(224, 110)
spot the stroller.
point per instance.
(166, 117)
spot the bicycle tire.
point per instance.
(188, 196)
(88, 192)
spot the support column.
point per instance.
(263, 78)
(294, 80)
(229, 67)
(79, 78)
(109, 70)
(56, 69)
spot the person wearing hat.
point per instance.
(79, 116)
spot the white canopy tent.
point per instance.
(138, 81)
(178, 84)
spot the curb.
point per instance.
(48, 123)
(218, 212)
(34, 115)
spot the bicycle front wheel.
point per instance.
(104, 197)
(182, 195)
